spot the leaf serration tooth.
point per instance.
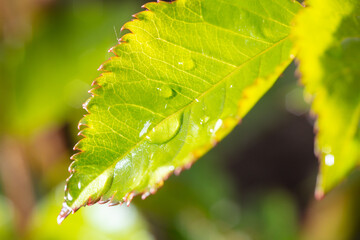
(129, 199)
(145, 195)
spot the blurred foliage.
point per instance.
(337, 216)
(98, 222)
(46, 78)
(7, 228)
(328, 39)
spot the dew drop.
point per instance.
(165, 91)
(165, 130)
(186, 64)
(204, 120)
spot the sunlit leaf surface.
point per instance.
(180, 82)
(328, 38)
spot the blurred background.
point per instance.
(257, 184)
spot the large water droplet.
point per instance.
(165, 91)
(186, 64)
(165, 130)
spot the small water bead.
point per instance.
(204, 120)
(165, 130)
(165, 91)
(186, 64)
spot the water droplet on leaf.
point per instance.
(186, 64)
(165, 91)
(165, 130)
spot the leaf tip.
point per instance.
(64, 212)
(319, 194)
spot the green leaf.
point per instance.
(328, 39)
(181, 81)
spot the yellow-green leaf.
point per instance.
(328, 39)
(180, 81)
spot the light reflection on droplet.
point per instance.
(187, 64)
(329, 159)
(218, 125)
(69, 197)
(165, 91)
(145, 128)
(121, 165)
(165, 130)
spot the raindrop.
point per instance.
(187, 64)
(165, 91)
(204, 120)
(165, 130)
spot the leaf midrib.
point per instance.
(194, 101)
